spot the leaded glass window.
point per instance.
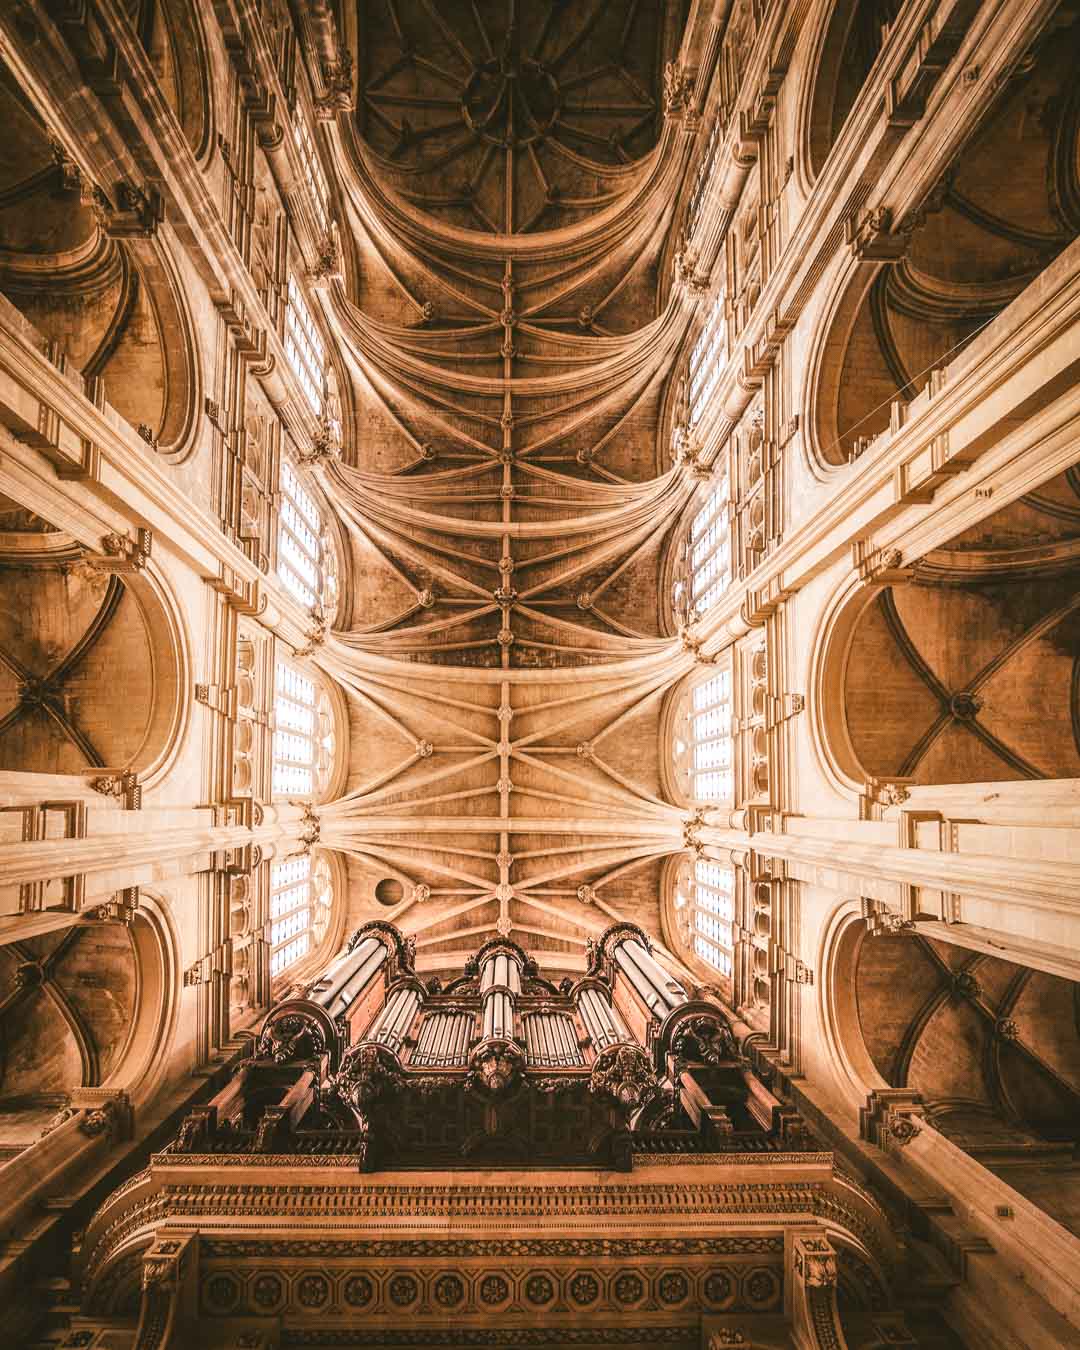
(313, 170)
(305, 348)
(301, 895)
(705, 909)
(304, 740)
(703, 747)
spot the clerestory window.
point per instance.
(318, 190)
(301, 896)
(708, 357)
(307, 560)
(704, 746)
(703, 568)
(705, 909)
(304, 739)
(305, 348)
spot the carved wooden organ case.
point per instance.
(498, 1066)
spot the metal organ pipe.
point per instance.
(500, 983)
(461, 1040)
(602, 1020)
(657, 988)
(392, 1024)
(428, 1029)
(349, 976)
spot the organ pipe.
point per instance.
(393, 1022)
(602, 1020)
(550, 1040)
(500, 983)
(658, 990)
(349, 976)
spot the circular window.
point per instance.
(389, 891)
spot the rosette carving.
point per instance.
(495, 1068)
(624, 1075)
(706, 1038)
(368, 1073)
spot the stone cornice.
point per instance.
(223, 1199)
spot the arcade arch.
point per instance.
(1006, 207)
(82, 266)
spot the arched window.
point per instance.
(705, 907)
(707, 358)
(313, 169)
(703, 564)
(301, 896)
(305, 348)
(703, 744)
(304, 737)
(306, 557)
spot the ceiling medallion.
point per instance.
(511, 101)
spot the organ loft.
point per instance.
(540, 674)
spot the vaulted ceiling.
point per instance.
(510, 185)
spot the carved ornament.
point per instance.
(624, 1075)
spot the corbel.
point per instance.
(794, 970)
(935, 44)
(871, 238)
(125, 787)
(96, 54)
(73, 456)
(755, 122)
(260, 104)
(917, 479)
(121, 908)
(881, 921)
(757, 606)
(136, 215)
(107, 1111)
(890, 1117)
(882, 794)
(879, 566)
(122, 554)
(759, 357)
(250, 342)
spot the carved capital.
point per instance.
(678, 90)
(338, 83)
(325, 445)
(815, 1262)
(327, 267)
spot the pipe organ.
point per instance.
(498, 1064)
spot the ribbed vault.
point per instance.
(507, 496)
